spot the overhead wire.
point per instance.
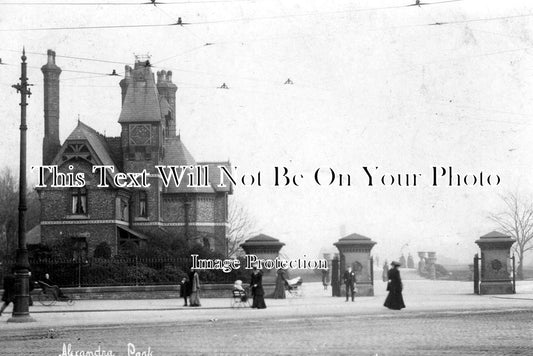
(316, 13)
(99, 75)
(224, 77)
(195, 2)
(444, 23)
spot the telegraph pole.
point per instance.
(21, 307)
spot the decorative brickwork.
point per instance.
(91, 215)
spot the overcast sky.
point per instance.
(376, 83)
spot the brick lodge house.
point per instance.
(88, 216)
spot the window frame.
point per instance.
(79, 198)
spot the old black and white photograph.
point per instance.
(266, 177)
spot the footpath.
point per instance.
(422, 297)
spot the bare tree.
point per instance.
(9, 211)
(241, 227)
(517, 221)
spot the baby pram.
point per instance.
(294, 287)
(239, 297)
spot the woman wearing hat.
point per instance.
(257, 289)
(194, 283)
(394, 299)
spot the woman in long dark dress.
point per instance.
(394, 299)
(194, 282)
(257, 289)
(281, 281)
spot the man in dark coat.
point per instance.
(394, 299)
(184, 290)
(9, 292)
(349, 282)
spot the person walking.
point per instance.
(394, 286)
(184, 290)
(257, 289)
(32, 287)
(385, 274)
(194, 281)
(281, 281)
(349, 282)
(9, 292)
(325, 277)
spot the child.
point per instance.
(184, 286)
(237, 287)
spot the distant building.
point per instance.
(85, 217)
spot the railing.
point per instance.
(118, 271)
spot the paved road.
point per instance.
(390, 333)
(442, 318)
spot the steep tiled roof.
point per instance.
(164, 106)
(176, 154)
(215, 173)
(141, 103)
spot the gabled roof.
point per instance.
(141, 103)
(96, 141)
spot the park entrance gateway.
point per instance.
(354, 251)
(495, 276)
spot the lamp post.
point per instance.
(21, 311)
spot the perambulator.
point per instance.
(239, 297)
(294, 286)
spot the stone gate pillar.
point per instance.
(495, 274)
(354, 250)
(264, 247)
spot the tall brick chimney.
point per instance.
(51, 74)
(167, 89)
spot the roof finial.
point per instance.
(78, 118)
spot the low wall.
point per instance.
(149, 292)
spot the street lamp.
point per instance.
(21, 307)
